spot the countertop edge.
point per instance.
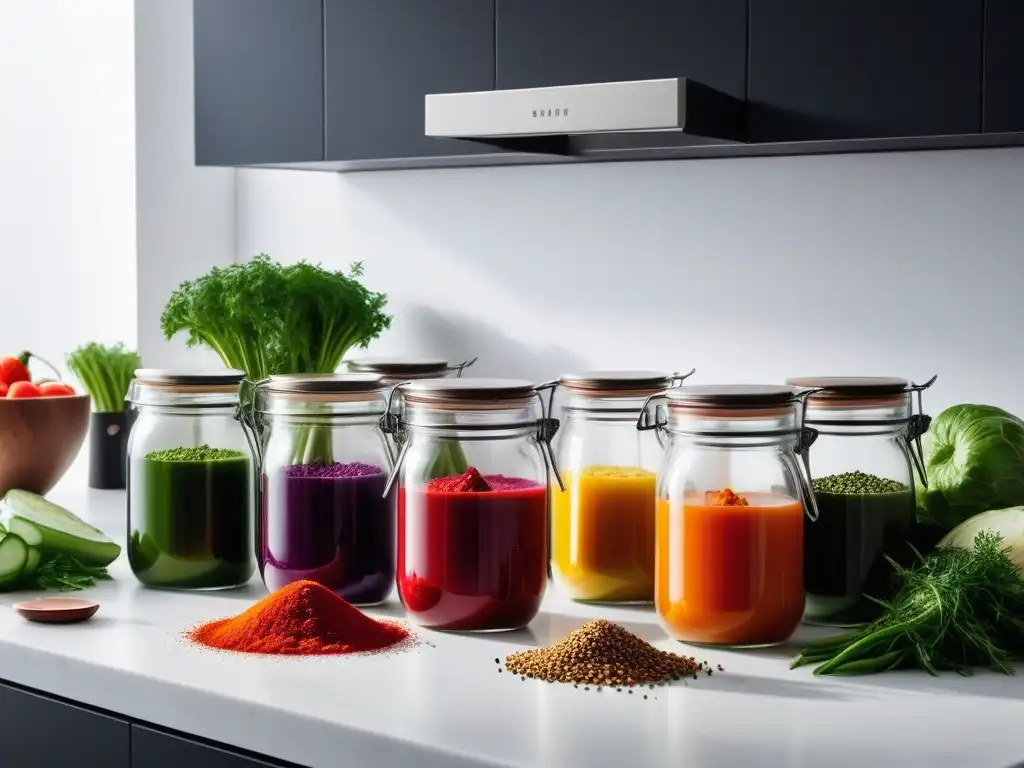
(189, 711)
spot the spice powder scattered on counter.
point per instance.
(604, 654)
(301, 619)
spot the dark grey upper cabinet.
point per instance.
(258, 81)
(384, 56)
(840, 69)
(153, 749)
(566, 42)
(43, 733)
(1004, 66)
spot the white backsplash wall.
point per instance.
(751, 270)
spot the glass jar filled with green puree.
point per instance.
(864, 464)
(190, 482)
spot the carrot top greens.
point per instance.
(264, 318)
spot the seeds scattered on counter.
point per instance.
(603, 654)
(303, 619)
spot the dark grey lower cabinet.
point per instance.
(154, 749)
(38, 732)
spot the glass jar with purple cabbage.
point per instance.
(325, 519)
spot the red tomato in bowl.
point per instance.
(56, 389)
(22, 389)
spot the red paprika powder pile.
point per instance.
(303, 618)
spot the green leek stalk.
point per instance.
(105, 373)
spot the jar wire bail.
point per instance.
(251, 422)
(460, 367)
(917, 425)
(250, 419)
(547, 426)
(391, 425)
(677, 378)
(807, 437)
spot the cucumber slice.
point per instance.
(32, 562)
(54, 529)
(28, 532)
(13, 556)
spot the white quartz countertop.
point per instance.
(444, 703)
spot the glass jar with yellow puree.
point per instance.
(602, 524)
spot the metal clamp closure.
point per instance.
(678, 378)
(917, 425)
(647, 421)
(250, 419)
(547, 426)
(807, 437)
(460, 367)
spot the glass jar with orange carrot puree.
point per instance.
(732, 493)
(602, 524)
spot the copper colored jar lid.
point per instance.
(835, 388)
(405, 367)
(159, 377)
(466, 391)
(616, 383)
(733, 396)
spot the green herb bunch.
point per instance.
(106, 373)
(264, 318)
(955, 610)
(64, 573)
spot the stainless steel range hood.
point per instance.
(503, 118)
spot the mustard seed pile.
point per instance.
(603, 654)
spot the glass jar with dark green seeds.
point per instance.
(861, 519)
(863, 481)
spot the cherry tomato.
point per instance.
(55, 389)
(23, 389)
(13, 370)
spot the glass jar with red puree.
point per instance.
(472, 501)
(324, 515)
(732, 493)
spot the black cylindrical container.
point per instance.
(108, 449)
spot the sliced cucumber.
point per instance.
(28, 532)
(13, 556)
(54, 529)
(34, 556)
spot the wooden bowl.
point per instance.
(39, 439)
(57, 610)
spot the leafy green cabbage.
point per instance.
(974, 456)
